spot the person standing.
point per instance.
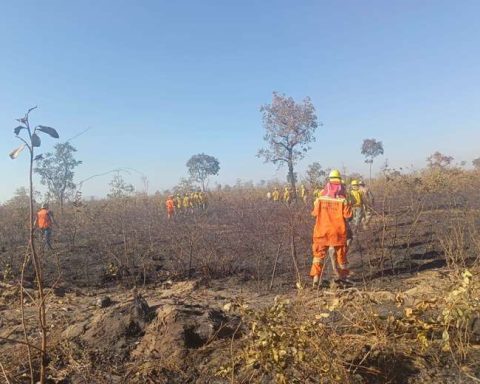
(331, 211)
(276, 195)
(357, 202)
(178, 203)
(170, 205)
(287, 196)
(303, 193)
(44, 221)
(186, 203)
(368, 201)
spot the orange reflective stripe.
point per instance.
(330, 227)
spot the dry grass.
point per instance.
(381, 331)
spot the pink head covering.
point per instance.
(333, 190)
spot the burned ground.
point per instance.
(207, 278)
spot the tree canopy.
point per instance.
(201, 166)
(371, 148)
(56, 170)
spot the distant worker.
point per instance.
(178, 202)
(186, 203)
(357, 201)
(287, 196)
(191, 201)
(170, 205)
(303, 193)
(203, 200)
(269, 196)
(196, 199)
(44, 221)
(369, 202)
(331, 211)
(276, 195)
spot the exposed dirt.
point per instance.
(179, 327)
(181, 332)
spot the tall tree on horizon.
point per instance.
(201, 166)
(371, 148)
(56, 170)
(289, 131)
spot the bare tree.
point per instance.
(315, 174)
(31, 140)
(371, 148)
(289, 130)
(184, 185)
(119, 188)
(201, 166)
(476, 163)
(438, 160)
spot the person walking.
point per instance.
(303, 193)
(276, 195)
(178, 203)
(357, 201)
(368, 201)
(287, 196)
(44, 221)
(186, 203)
(170, 205)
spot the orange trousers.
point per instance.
(318, 262)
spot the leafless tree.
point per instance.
(289, 131)
(438, 160)
(315, 174)
(476, 163)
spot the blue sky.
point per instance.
(159, 81)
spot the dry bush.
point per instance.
(128, 239)
(422, 220)
(282, 346)
(356, 336)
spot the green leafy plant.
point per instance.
(56, 170)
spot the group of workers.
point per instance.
(286, 196)
(186, 203)
(338, 213)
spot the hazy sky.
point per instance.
(159, 81)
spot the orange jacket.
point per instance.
(44, 219)
(330, 226)
(170, 205)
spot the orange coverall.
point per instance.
(330, 231)
(170, 204)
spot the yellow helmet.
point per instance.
(334, 174)
(355, 183)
